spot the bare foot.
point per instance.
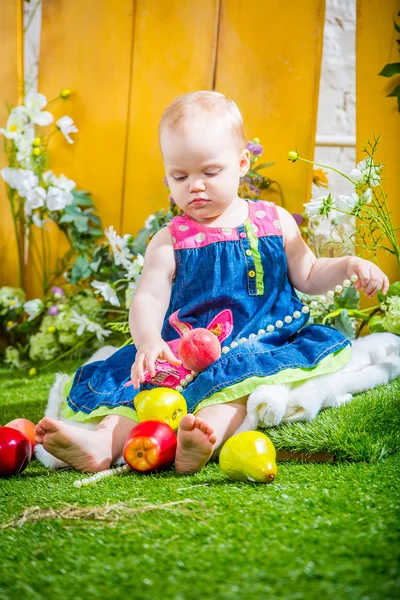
(82, 449)
(195, 445)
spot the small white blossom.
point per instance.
(16, 123)
(36, 220)
(34, 199)
(313, 208)
(135, 268)
(346, 203)
(22, 180)
(63, 183)
(66, 126)
(148, 221)
(34, 104)
(108, 293)
(58, 199)
(33, 308)
(122, 254)
(367, 171)
(85, 324)
(366, 197)
(23, 143)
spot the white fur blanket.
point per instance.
(375, 361)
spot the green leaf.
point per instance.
(343, 324)
(394, 290)
(95, 232)
(390, 70)
(263, 166)
(349, 299)
(81, 224)
(94, 265)
(67, 218)
(396, 92)
(81, 269)
(397, 27)
(375, 324)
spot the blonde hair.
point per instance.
(178, 113)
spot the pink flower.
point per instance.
(57, 290)
(53, 311)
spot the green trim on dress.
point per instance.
(331, 363)
(253, 241)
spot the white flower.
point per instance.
(121, 252)
(135, 268)
(36, 220)
(148, 221)
(318, 207)
(34, 199)
(33, 308)
(58, 199)
(66, 126)
(367, 171)
(34, 104)
(347, 203)
(63, 183)
(15, 123)
(48, 177)
(22, 180)
(106, 291)
(86, 324)
(366, 197)
(23, 142)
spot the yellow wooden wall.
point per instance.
(10, 77)
(126, 60)
(375, 113)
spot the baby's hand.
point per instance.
(147, 355)
(370, 277)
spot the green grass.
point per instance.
(319, 531)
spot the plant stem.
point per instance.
(312, 162)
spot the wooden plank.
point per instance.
(86, 46)
(375, 113)
(269, 60)
(173, 54)
(10, 85)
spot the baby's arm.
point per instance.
(149, 305)
(312, 275)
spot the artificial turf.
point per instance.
(319, 531)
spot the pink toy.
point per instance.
(198, 349)
(168, 375)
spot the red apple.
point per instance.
(150, 445)
(198, 349)
(26, 427)
(15, 452)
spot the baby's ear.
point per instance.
(244, 162)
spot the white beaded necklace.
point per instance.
(225, 349)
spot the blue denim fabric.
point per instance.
(208, 280)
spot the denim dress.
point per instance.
(234, 282)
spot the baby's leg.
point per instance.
(203, 435)
(84, 450)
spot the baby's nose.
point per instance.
(197, 185)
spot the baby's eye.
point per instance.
(211, 174)
(180, 178)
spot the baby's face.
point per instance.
(203, 167)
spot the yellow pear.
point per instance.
(249, 456)
(161, 404)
